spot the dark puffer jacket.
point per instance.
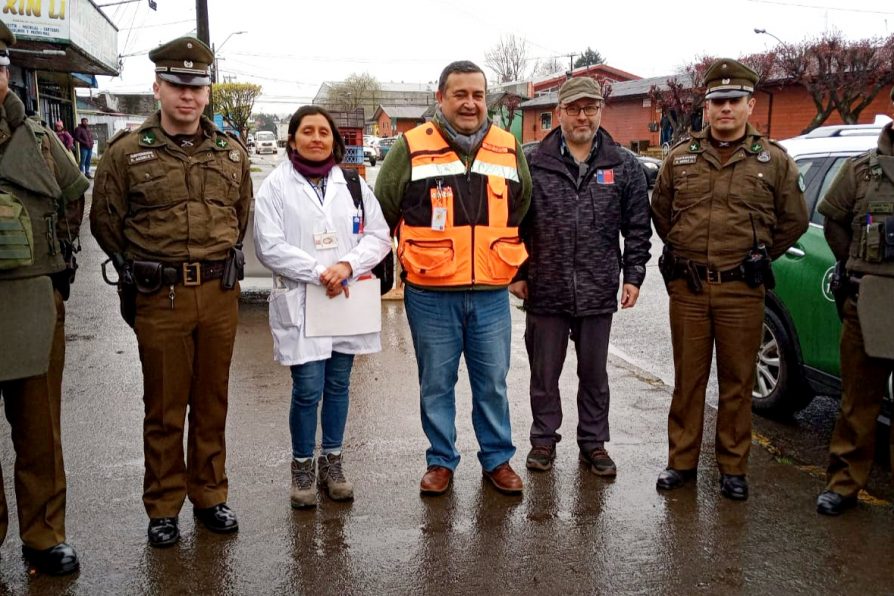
(572, 233)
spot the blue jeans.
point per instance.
(476, 324)
(86, 154)
(321, 379)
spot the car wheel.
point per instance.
(779, 386)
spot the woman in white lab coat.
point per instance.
(308, 232)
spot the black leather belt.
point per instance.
(720, 277)
(711, 276)
(194, 274)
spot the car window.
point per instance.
(833, 170)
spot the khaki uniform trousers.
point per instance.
(33, 409)
(863, 381)
(727, 316)
(185, 353)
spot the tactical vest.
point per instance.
(29, 197)
(872, 243)
(455, 228)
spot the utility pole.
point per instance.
(570, 65)
(203, 32)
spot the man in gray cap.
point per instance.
(587, 192)
(170, 207)
(727, 202)
(860, 230)
(41, 205)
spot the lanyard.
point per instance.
(320, 190)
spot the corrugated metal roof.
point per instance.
(404, 112)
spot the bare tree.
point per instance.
(683, 99)
(549, 66)
(507, 106)
(358, 90)
(235, 102)
(508, 59)
(839, 75)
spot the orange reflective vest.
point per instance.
(455, 226)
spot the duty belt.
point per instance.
(197, 273)
(719, 277)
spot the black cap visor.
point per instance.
(185, 79)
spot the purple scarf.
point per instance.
(308, 168)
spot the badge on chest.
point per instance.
(325, 240)
(441, 201)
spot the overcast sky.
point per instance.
(291, 46)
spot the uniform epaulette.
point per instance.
(118, 136)
(682, 141)
(777, 144)
(237, 138)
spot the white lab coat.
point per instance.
(287, 215)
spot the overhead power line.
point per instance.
(820, 7)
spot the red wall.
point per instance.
(627, 120)
(531, 130)
(402, 125)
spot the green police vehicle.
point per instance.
(799, 357)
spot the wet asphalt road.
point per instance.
(570, 533)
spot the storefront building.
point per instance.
(60, 45)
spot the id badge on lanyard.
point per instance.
(441, 200)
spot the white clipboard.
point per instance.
(359, 314)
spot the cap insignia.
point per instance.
(189, 45)
(724, 81)
(187, 63)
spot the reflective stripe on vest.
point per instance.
(467, 254)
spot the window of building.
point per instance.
(546, 121)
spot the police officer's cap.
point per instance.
(184, 61)
(7, 38)
(728, 78)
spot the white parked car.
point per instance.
(265, 142)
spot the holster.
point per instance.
(234, 268)
(127, 296)
(667, 264)
(840, 286)
(692, 278)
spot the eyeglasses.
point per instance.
(590, 110)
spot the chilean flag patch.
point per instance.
(605, 176)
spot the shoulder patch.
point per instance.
(118, 136)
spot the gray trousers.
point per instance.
(546, 339)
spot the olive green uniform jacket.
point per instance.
(152, 200)
(704, 209)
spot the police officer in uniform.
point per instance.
(41, 205)
(727, 201)
(170, 207)
(859, 210)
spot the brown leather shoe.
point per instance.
(436, 481)
(504, 478)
